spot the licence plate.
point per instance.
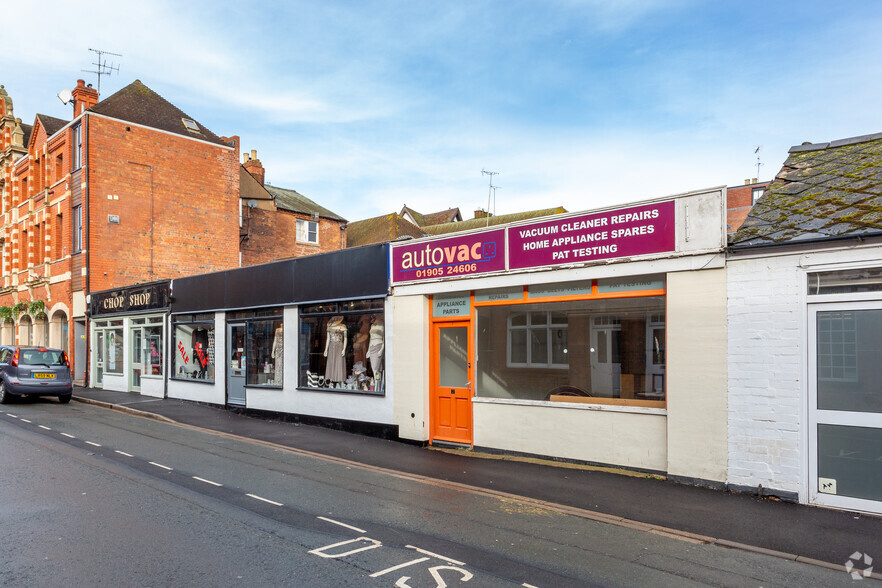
(44, 376)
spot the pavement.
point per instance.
(803, 533)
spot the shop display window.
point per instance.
(342, 346)
(602, 348)
(265, 362)
(110, 355)
(193, 351)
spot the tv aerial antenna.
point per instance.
(758, 163)
(101, 67)
(491, 192)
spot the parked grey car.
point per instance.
(34, 371)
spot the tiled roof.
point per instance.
(433, 218)
(136, 103)
(50, 124)
(380, 229)
(476, 223)
(295, 202)
(27, 130)
(823, 191)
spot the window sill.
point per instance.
(581, 404)
(191, 380)
(342, 391)
(310, 243)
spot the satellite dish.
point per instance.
(252, 203)
(64, 96)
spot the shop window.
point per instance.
(342, 347)
(307, 231)
(266, 362)
(193, 350)
(113, 355)
(602, 348)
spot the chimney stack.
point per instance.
(84, 97)
(481, 213)
(253, 166)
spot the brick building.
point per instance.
(278, 223)
(131, 190)
(739, 201)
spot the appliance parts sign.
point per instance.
(626, 232)
(476, 253)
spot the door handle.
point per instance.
(469, 385)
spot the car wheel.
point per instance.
(5, 397)
(64, 398)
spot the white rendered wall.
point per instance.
(410, 355)
(630, 439)
(214, 393)
(336, 405)
(696, 374)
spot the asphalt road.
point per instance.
(94, 497)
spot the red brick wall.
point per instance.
(273, 235)
(739, 201)
(195, 203)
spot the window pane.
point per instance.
(851, 456)
(538, 318)
(519, 346)
(612, 348)
(343, 351)
(849, 356)
(539, 346)
(114, 363)
(193, 356)
(846, 281)
(153, 351)
(264, 356)
(453, 357)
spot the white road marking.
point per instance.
(206, 481)
(12, 415)
(356, 529)
(68, 435)
(256, 497)
(94, 444)
(25, 420)
(159, 465)
(44, 427)
(124, 453)
(321, 550)
(525, 585)
(429, 553)
(399, 566)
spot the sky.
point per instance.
(365, 106)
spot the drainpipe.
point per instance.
(86, 234)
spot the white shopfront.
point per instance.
(594, 337)
(805, 363)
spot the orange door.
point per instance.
(451, 387)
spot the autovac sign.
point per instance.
(626, 232)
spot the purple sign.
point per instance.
(465, 255)
(617, 233)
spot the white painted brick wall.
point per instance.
(766, 340)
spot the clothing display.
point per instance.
(377, 345)
(200, 350)
(335, 350)
(360, 341)
(278, 355)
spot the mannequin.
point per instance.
(278, 355)
(335, 351)
(360, 341)
(377, 346)
(200, 351)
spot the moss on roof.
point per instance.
(825, 190)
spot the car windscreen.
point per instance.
(48, 357)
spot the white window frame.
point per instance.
(77, 161)
(77, 227)
(304, 231)
(529, 328)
